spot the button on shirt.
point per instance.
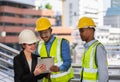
(65, 53)
(101, 61)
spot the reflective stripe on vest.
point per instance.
(90, 71)
(60, 74)
(56, 53)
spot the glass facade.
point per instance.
(16, 15)
(113, 14)
(115, 3)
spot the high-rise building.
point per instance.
(115, 3)
(112, 16)
(79, 8)
(16, 15)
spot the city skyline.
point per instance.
(57, 5)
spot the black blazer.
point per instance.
(21, 69)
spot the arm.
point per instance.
(101, 59)
(66, 56)
(20, 74)
(17, 70)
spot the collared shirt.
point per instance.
(65, 53)
(101, 61)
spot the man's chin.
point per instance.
(46, 41)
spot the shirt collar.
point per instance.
(87, 45)
(51, 40)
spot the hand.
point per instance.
(54, 68)
(39, 69)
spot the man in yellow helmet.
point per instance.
(94, 60)
(52, 46)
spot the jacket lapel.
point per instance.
(34, 62)
(24, 61)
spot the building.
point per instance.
(105, 34)
(112, 16)
(79, 8)
(56, 6)
(16, 15)
(108, 35)
(112, 19)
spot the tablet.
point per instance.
(47, 61)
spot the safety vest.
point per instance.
(55, 51)
(89, 72)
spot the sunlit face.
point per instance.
(45, 34)
(30, 48)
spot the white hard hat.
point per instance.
(27, 36)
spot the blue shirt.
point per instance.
(65, 53)
(101, 61)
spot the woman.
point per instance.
(25, 64)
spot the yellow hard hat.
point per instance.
(27, 36)
(85, 22)
(42, 24)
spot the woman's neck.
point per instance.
(27, 55)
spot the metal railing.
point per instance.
(9, 49)
(112, 77)
(7, 54)
(5, 78)
(7, 70)
(6, 63)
